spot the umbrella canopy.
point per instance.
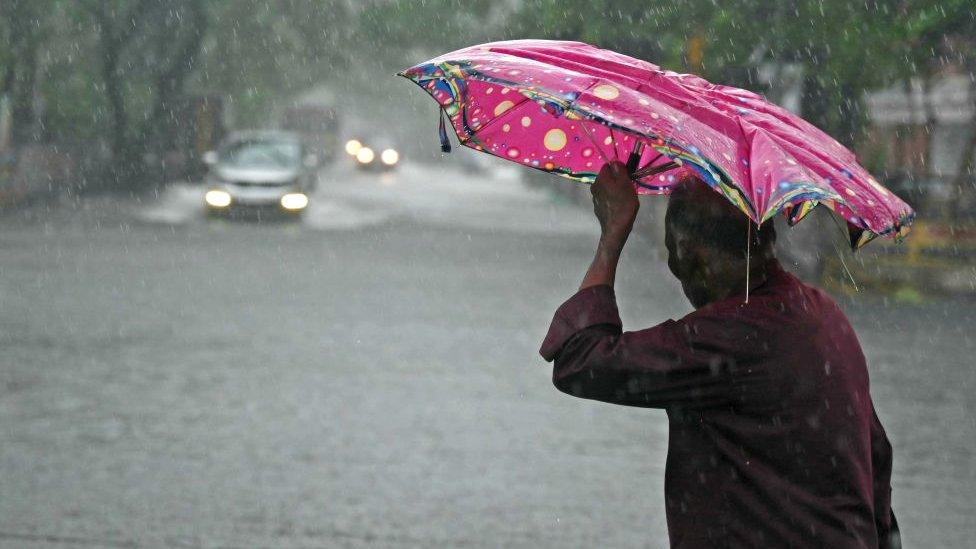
(568, 107)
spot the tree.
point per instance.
(146, 49)
(927, 38)
(259, 52)
(23, 30)
(118, 71)
(834, 39)
(654, 32)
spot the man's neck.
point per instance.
(758, 276)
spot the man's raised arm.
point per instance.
(593, 358)
(615, 205)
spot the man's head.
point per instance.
(706, 237)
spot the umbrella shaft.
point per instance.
(635, 155)
(649, 171)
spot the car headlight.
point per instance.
(390, 157)
(294, 201)
(353, 146)
(365, 155)
(217, 198)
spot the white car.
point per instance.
(260, 171)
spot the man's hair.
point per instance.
(708, 217)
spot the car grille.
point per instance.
(254, 184)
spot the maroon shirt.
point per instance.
(773, 441)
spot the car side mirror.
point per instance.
(209, 158)
(311, 160)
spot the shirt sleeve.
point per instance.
(884, 516)
(689, 363)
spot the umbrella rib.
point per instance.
(651, 161)
(505, 115)
(593, 140)
(614, 141)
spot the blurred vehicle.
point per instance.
(269, 171)
(318, 125)
(375, 154)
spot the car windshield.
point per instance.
(262, 153)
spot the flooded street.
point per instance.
(369, 376)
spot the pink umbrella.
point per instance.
(568, 107)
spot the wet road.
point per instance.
(370, 377)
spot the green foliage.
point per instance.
(111, 69)
(846, 47)
(258, 51)
(652, 31)
(24, 32)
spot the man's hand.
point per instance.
(615, 205)
(615, 201)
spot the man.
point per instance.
(773, 441)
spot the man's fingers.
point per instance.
(611, 169)
(612, 184)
